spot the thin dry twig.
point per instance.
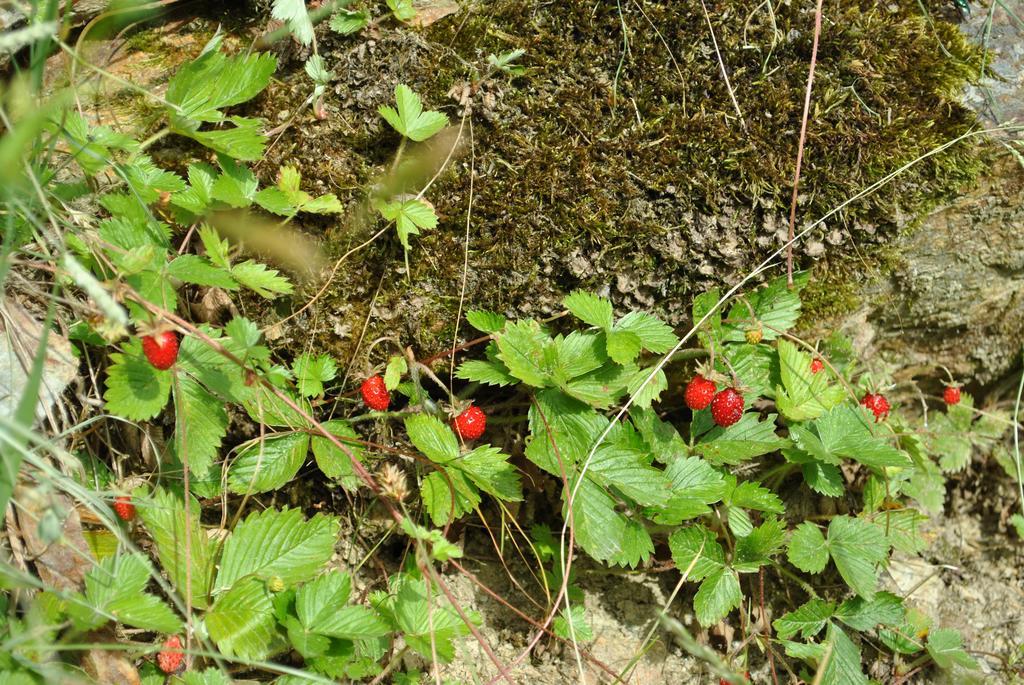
(800, 148)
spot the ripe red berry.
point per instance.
(727, 407)
(375, 393)
(161, 349)
(817, 365)
(170, 658)
(951, 395)
(699, 393)
(878, 405)
(124, 508)
(470, 424)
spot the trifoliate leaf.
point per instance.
(115, 587)
(758, 547)
(409, 217)
(572, 624)
(945, 646)
(589, 308)
(422, 615)
(410, 120)
(277, 543)
(236, 185)
(751, 495)
(807, 549)
(646, 392)
(562, 431)
(575, 355)
(808, 620)
(403, 10)
(844, 433)
(265, 464)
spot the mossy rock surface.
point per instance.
(615, 166)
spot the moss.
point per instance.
(605, 167)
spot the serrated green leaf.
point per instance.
(402, 9)
(628, 471)
(744, 440)
(194, 269)
(485, 321)
(903, 529)
(718, 595)
(348, 21)
(311, 372)
(825, 479)
(334, 462)
(211, 369)
(857, 547)
(843, 667)
(264, 406)
(115, 587)
(803, 395)
(236, 185)
(807, 548)
(521, 348)
(163, 514)
(776, 306)
(863, 615)
(576, 354)
(426, 622)
(135, 389)
(266, 464)
(660, 437)
(409, 217)
(432, 437)
(694, 485)
(945, 646)
(447, 495)
(655, 335)
(752, 495)
(293, 13)
(410, 120)
(486, 372)
(694, 548)
(808, 620)
(241, 622)
(645, 395)
(216, 248)
(758, 547)
(305, 641)
(200, 426)
(572, 625)
(589, 308)
(260, 279)
(396, 368)
(603, 387)
(562, 431)
(489, 469)
(844, 432)
(710, 333)
(277, 543)
(600, 529)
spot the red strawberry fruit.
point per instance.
(877, 403)
(124, 508)
(817, 365)
(375, 393)
(161, 349)
(170, 658)
(727, 407)
(699, 393)
(951, 395)
(470, 424)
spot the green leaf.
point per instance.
(758, 548)
(660, 437)
(446, 501)
(718, 595)
(844, 432)
(694, 485)
(410, 120)
(485, 321)
(335, 463)
(562, 431)
(211, 369)
(521, 349)
(572, 624)
(293, 12)
(601, 388)
(744, 440)
(486, 372)
(843, 667)
(945, 646)
(194, 269)
(695, 546)
(489, 469)
(628, 471)
(710, 333)
(347, 21)
(305, 641)
(857, 547)
(236, 186)
(135, 389)
(644, 396)
(216, 248)
(396, 368)
(863, 615)
(200, 426)
(825, 479)
(589, 308)
(311, 372)
(260, 279)
(751, 495)
(402, 9)
(808, 620)
(423, 616)
(807, 548)
(163, 514)
(903, 529)
(277, 543)
(803, 395)
(265, 464)
(576, 354)
(776, 306)
(600, 530)
(115, 586)
(196, 199)
(432, 437)
(409, 217)
(264, 406)
(655, 335)
(241, 622)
